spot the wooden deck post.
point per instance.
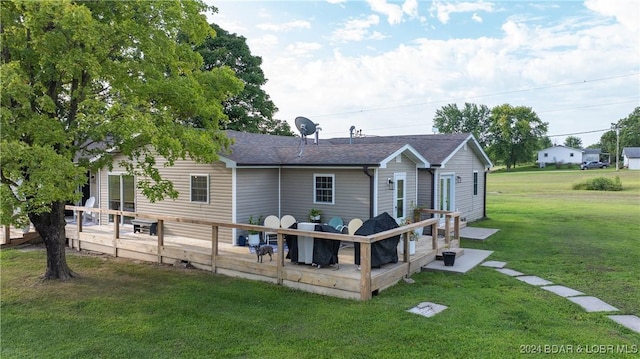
(434, 236)
(405, 246)
(280, 259)
(447, 229)
(160, 234)
(365, 270)
(214, 248)
(456, 228)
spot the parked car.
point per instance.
(593, 164)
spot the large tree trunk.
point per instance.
(51, 227)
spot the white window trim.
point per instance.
(333, 188)
(191, 175)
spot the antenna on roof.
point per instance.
(351, 129)
(306, 127)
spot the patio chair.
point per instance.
(287, 221)
(272, 222)
(337, 223)
(89, 203)
(352, 227)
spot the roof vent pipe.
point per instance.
(318, 129)
(351, 129)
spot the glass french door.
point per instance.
(446, 193)
(121, 195)
(399, 196)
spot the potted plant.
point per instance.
(416, 211)
(413, 237)
(315, 215)
(254, 236)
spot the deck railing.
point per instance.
(365, 241)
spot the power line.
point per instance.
(478, 96)
(579, 133)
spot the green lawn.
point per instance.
(123, 309)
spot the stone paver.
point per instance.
(533, 280)
(427, 309)
(494, 264)
(562, 290)
(630, 321)
(593, 304)
(508, 271)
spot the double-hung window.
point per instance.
(200, 188)
(475, 183)
(323, 188)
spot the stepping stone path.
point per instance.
(588, 303)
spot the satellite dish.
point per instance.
(305, 126)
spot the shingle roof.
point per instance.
(631, 152)
(435, 148)
(252, 149)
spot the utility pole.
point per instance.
(617, 146)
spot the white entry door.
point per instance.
(399, 196)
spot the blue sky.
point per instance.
(385, 67)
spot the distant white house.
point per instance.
(560, 154)
(631, 157)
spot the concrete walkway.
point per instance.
(588, 303)
(477, 233)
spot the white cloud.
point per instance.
(625, 11)
(394, 13)
(355, 29)
(287, 26)
(476, 18)
(303, 48)
(443, 11)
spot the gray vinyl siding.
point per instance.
(257, 193)
(351, 193)
(463, 164)
(218, 209)
(385, 195)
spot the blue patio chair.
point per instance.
(337, 223)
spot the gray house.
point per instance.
(264, 175)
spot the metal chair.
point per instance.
(337, 223)
(272, 222)
(287, 221)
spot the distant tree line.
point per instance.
(512, 135)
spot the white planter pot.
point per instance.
(412, 248)
(254, 239)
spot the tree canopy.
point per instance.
(573, 142)
(251, 110)
(82, 78)
(514, 134)
(472, 119)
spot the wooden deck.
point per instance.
(344, 280)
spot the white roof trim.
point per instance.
(420, 161)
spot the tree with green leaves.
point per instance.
(471, 118)
(82, 78)
(544, 142)
(573, 142)
(514, 134)
(251, 110)
(629, 128)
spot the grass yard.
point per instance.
(121, 309)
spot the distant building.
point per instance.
(631, 157)
(560, 154)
